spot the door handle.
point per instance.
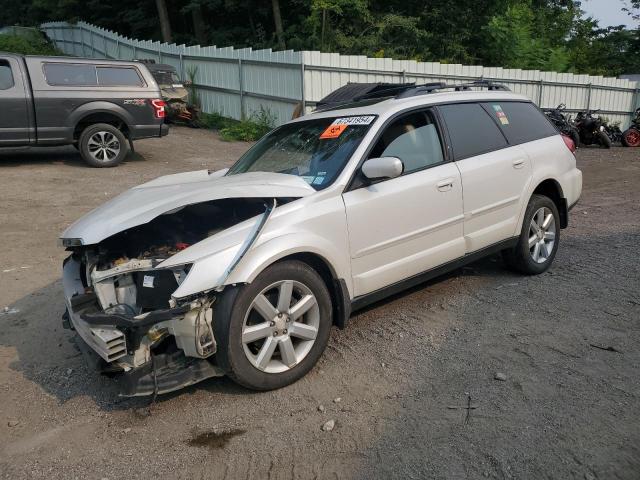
(445, 185)
(518, 163)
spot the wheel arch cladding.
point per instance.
(340, 301)
(84, 117)
(551, 188)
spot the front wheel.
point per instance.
(102, 145)
(631, 138)
(539, 237)
(272, 331)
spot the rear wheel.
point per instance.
(631, 138)
(575, 136)
(539, 238)
(103, 145)
(604, 140)
(272, 331)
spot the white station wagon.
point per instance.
(243, 272)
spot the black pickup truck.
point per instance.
(100, 106)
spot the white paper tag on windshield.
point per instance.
(147, 281)
(177, 85)
(362, 120)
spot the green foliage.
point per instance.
(259, 124)
(255, 127)
(192, 73)
(31, 45)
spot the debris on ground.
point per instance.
(500, 376)
(328, 426)
(321, 408)
(337, 400)
(606, 348)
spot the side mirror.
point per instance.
(383, 167)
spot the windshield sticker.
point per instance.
(362, 120)
(501, 115)
(333, 131)
(308, 179)
(318, 181)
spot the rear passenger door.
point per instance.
(15, 118)
(495, 175)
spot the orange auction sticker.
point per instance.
(333, 131)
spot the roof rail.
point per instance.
(434, 87)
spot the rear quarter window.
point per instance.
(70, 74)
(119, 77)
(6, 77)
(520, 122)
(472, 131)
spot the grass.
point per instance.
(255, 127)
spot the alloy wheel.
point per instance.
(542, 235)
(103, 146)
(280, 327)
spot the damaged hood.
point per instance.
(143, 203)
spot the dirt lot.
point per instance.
(397, 381)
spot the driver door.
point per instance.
(407, 225)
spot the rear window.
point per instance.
(6, 77)
(119, 76)
(472, 130)
(520, 121)
(70, 74)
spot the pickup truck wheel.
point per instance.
(271, 332)
(103, 145)
(539, 238)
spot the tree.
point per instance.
(277, 21)
(163, 16)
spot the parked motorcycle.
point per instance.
(562, 122)
(631, 136)
(592, 129)
(613, 132)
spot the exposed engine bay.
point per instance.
(121, 304)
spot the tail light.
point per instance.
(568, 141)
(158, 108)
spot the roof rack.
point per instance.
(363, 92)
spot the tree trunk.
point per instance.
(165, 25)
(198, 25)
(277, 20)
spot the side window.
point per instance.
(472, 130)
(413, 138)
(520, 121)
(119, 76)
(70, 74)
(6, 77)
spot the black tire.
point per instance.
(604, 140)
(229, 316)
(575, 136)
(520, 258)
(113, 136)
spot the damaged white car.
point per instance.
(243, 272)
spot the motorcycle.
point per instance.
(562, 122)
(592, 129)
(631, 136)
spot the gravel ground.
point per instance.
(482, 373)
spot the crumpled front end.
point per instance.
(146, 267)
(124, 315)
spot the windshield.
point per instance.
(164, 77)
(315, 150)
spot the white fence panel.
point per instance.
(238, 83)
